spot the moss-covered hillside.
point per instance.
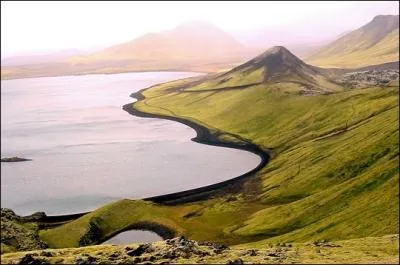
(333, 174)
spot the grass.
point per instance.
(334, 173)
(315, 178)
(356, 251)
(206, 223)
(351, 56)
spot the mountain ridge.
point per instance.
(373, 43)
(191, 40)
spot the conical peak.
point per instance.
(277, 49)
(277, 63)
(278, 53)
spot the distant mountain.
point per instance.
(344, 33)
(199, 41)
(374, 43)
(40, 58)
(276, 65)
(194, 46)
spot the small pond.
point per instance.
(133, 236)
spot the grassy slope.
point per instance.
(376, 42)
(387, 50)
(340, 186)
(334, 173)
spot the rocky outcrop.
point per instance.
(368, 78)
(18, 234)
(31, 259)
(181, 250)
(38, 216)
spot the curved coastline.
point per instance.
(203, 136)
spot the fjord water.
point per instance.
(86, 151)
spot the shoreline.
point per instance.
(203, 136)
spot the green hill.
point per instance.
(276, 65)
(334, 168)
(374, 43)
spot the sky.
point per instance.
(42, 26)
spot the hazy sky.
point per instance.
(48, 26)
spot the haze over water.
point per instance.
(86, 151)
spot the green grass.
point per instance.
(334, 173)
(347, 55)
(240, 78)
(319, 177)
(210, 221)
